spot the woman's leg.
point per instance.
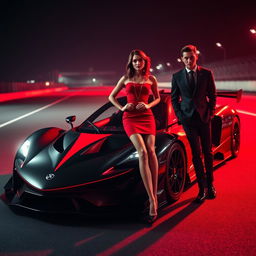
(153, 162)
(145, 172)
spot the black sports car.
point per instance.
(94, 166)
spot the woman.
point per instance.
(138, 120)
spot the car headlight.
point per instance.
(25, 148)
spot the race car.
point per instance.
(94, 167)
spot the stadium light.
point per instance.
(224, 50)
(253, 31)
(159, 66)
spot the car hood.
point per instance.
(75, 159)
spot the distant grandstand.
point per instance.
(229, 70)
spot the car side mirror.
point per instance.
(70, 120)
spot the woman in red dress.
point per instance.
(138, 120)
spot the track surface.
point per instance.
(224, 226)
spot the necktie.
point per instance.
(192, 82)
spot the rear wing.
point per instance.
(226, 94)
(231, 94)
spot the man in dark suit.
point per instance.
(194, 98)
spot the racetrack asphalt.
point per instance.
(224, 226)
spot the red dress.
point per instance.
(137, 121)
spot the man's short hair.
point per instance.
(188, 48)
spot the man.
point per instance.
(194, 98)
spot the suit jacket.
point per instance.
(202, 98)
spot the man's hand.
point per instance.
(212, 114)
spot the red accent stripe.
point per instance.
(75, 186)
(82, 141)
(95, 148)
(109, 171)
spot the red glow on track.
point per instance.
(171, 211)
(86, 240)
(28, 94)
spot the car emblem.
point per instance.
(50, 176)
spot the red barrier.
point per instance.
(6, 87)
(27, 94)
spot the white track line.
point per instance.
(62, 99)
(246, 113)
(33, 112)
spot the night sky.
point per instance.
(38, 37)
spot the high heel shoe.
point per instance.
(152, 215)
(150, 219)
(153, 208)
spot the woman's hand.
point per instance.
(141, 106)
(128, 107)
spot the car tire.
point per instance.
(176, 171)
(235, 137)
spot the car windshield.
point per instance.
(107, 121)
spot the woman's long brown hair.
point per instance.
(130, 71)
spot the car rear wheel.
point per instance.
(235, 137)
(176, 170)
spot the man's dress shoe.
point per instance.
(211, 192)
(200, 197)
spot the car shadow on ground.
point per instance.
(118, 233)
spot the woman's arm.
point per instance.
(155, 92)
(112, 97)
(115, 91)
